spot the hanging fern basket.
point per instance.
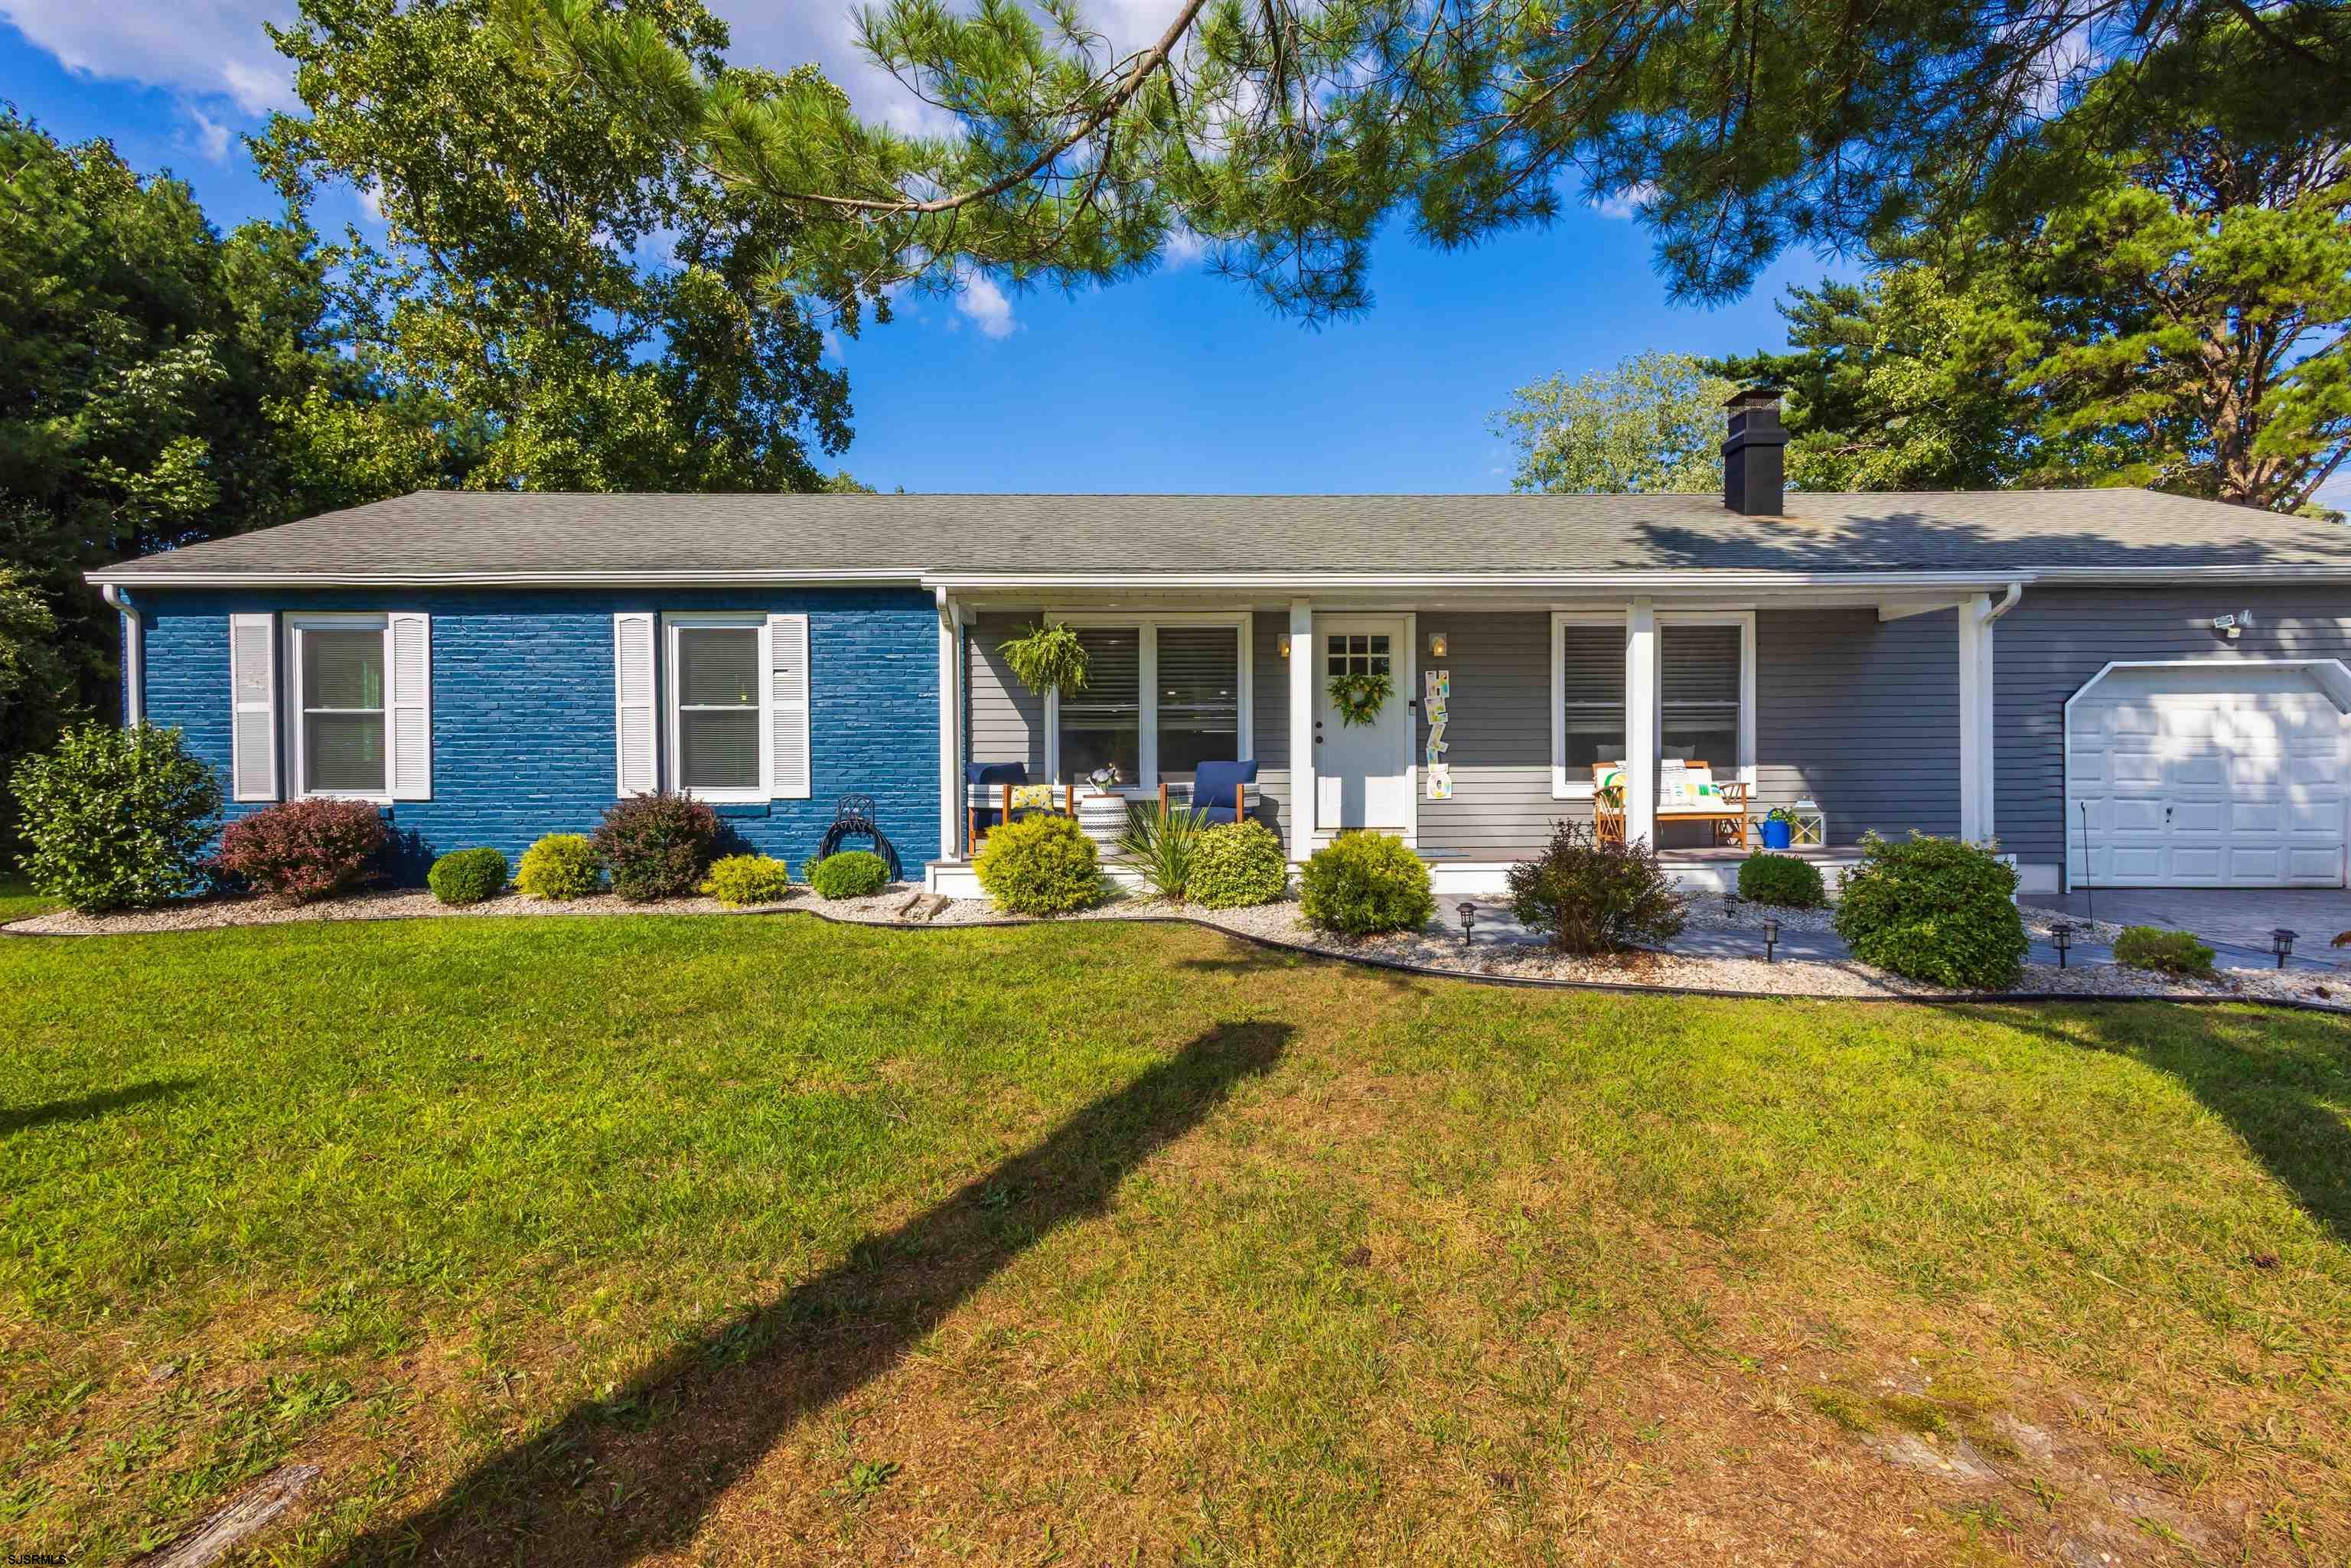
(1360, 698)
(1048, 657)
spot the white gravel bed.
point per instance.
(1435, 946)
(414, 902)
(1720, 912)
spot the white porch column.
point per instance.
(950, 727)
(1641, 714)
(1976, 771)
(1301, 728)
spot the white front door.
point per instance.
(1362, 772)
(2206, 776)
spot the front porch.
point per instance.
(1499, 719)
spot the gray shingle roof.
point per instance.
(451, 535)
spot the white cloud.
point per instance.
(211, 136)
(977, 299)
(1627, 204)
(1183, 247)
(214, 47)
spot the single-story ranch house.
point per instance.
(2122, 687)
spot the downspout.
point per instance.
(134, 655)
(2007, 603)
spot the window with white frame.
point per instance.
(719, 706)
(1706, 680)
(1162, 696)
(1101, 726)
(340, 705)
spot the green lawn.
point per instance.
(597, 1242)
(19, 901)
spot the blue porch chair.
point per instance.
(988, 776)
(1220, 791)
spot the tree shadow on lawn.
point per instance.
(22, 1118)
(2282, 1080)
(693, 1425)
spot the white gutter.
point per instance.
(135, 654)
(131, 577)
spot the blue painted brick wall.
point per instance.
(523, 708)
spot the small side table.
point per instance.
(1103, 819)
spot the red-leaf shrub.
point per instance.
(305, 850)
(656, 846)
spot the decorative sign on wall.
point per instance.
(1437, 690)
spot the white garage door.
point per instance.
(2206, 777)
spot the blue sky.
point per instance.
(1178, 382)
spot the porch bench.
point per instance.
(1728, 817)
(1001, 799)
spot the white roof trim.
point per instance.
(1715, 581)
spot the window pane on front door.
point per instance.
(1199, 697)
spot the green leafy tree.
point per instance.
(2178, 314)
(563, 300)
(1283, 131)
(1884, 392)
(143, 360)
(1652, 425)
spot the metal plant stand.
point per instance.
(853, 817)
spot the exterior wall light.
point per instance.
(1285, 644)
(1436, 644)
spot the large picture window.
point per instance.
(1705, 684)
(1162, 696)
(1199, 687)
(1101, 726)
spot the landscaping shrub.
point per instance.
(1040, 865)
(1236, 863)
(1788, 881)
(300, 850)
(739, 880)
(1159, 842)
(1935, 910)
(850, 873)
(656, 846)
(1595, 897)
(2172, 951)
(116, 819)
(1362, 883)
(467, 876)
(559, 866)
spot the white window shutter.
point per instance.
(410, 718)
(253, 701)
(787, 681)
(632, 673)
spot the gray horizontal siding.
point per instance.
(1863, 715)
(1006, 721)
(2054, 641)
(1497, 725)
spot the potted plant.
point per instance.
(1779, 825)
(1048, 657)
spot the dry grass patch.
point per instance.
(685, 1241)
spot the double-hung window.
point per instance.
(1706, 687)
(718, 710)
(1162, 696)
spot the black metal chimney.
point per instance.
(1751, 480)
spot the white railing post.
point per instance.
(1301, 728)
(1641, 723)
